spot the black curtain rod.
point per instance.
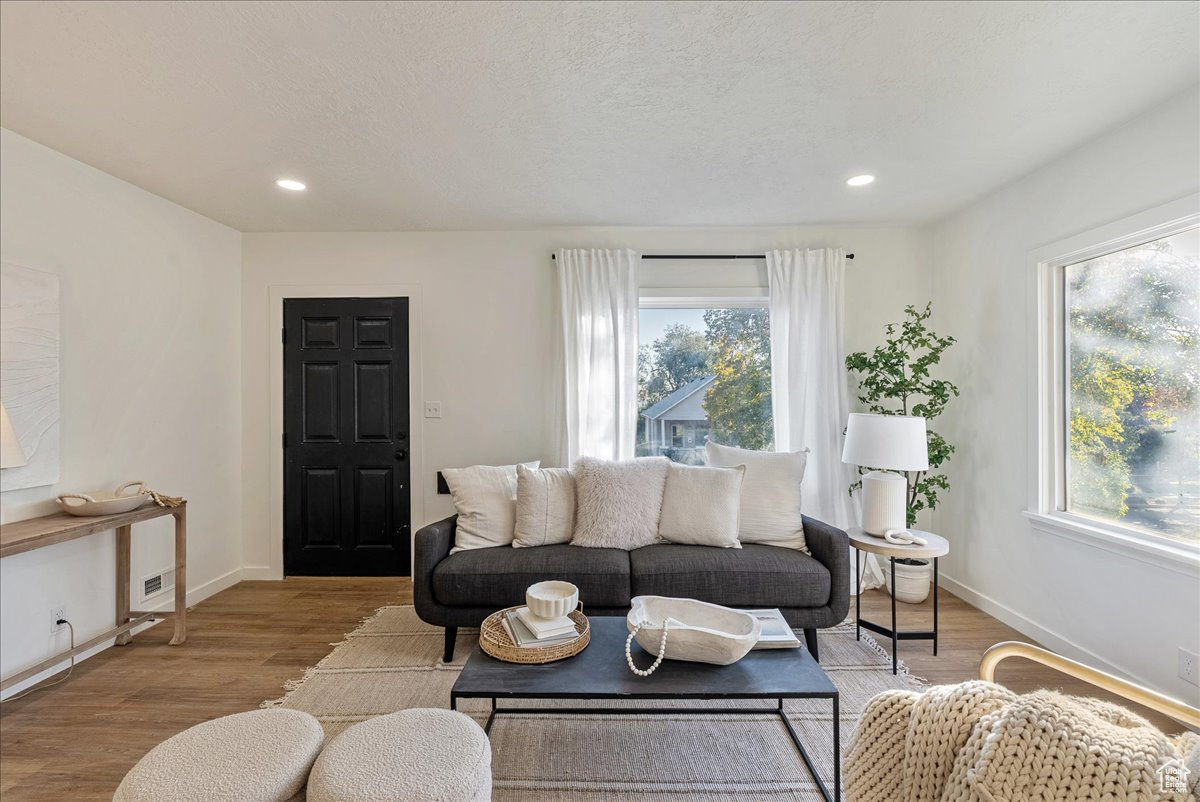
(705, 256)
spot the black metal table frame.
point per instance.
(893, 633)
(699, 711)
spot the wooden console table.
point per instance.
(35, 533)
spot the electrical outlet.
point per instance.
(433, 409)
(1188, 663)
(56, 614)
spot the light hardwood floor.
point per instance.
(77, 740)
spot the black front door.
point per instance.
(346, 439)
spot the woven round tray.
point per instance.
(494, 640)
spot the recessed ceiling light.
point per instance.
(860, 180)
(289, 183)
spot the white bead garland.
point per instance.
(662, 650)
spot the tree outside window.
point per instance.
(1133, 399)
(703, 374)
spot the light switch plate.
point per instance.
(433, 409)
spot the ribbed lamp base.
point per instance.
(883, 497)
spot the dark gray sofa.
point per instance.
(462, 589)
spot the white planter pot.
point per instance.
(912, 581)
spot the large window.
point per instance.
(703, 372)
(1131, 391)
(1115, 416)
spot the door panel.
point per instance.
(320, 332)
(372, 332)
(320, 402)
(372, 402)
(373, 506)
(320, 502)
(346, 444)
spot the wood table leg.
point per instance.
(180, 578)
(123, 569)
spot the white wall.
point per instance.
(1077, 598)
(484, 312)
(150, 385)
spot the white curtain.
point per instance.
(598, 292)
(808, 381)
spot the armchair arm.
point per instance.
(830, 546)
(431, 545)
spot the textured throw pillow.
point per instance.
(770, 508)
(700, 506)
(617, 504)
(545, 506)
(485, 497)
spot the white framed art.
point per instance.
(29, 371)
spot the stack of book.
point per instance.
(776, 633)
(529, 631)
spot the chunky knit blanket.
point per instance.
(978, 742)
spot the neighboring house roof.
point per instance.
(676, 398)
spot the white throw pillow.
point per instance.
(770, 509)
(617, 504)
(545, 506)
(485, 497)
(700, 505)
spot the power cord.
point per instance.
(61, 679)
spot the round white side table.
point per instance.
(936, 546)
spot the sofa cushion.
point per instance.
(617, 504)
(770, 503)
(498, 577)
(485, 497)
(752, 576)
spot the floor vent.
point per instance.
(158, 583)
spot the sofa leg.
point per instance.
(448, 649)
(810, 640)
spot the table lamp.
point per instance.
(11, 453)
(885, 443)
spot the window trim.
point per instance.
(1047, 419)
(702, 298)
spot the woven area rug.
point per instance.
(393, 661)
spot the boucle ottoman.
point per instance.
(260, 756)
(419, 755)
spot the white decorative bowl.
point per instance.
(126, 498)
(699, 632)
(552, 599)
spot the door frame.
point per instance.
(274, 443)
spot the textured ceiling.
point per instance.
(504, 115)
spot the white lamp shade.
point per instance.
(891, 442)
(11, 453)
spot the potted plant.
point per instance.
(896, 379)
(912, 580)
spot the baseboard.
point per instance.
(194, 597)
(209, 588)
(1051, 640)
(260, 572)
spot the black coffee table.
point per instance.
(599, 672)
